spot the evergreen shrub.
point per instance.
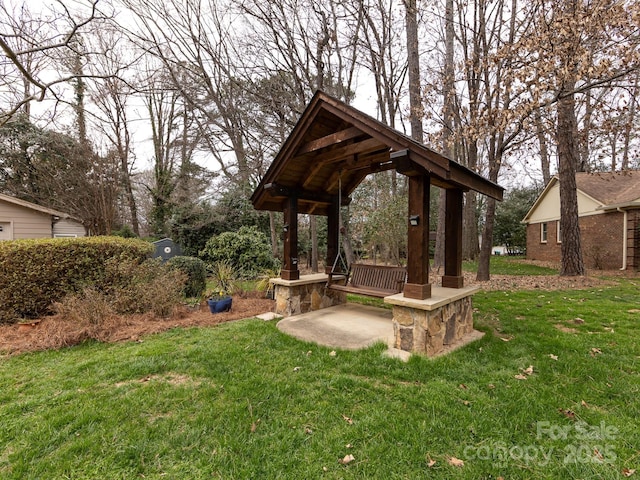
(196, 272)
(248, 251)
(38, 272)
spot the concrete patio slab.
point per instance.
(349, 326)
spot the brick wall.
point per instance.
(601, 237)
(633, 240)
(536, 250)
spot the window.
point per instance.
(558, 232)
(543, 232)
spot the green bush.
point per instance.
(196, 273)
(248, 251)
(38, 272)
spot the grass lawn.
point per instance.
(506, 265)
(244, 401)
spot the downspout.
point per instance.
(624, 238)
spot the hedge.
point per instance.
(196, 273)
(38, 272)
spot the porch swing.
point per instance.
(359, 278)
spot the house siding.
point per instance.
(68, 227)
(26, 223)
(601, 238)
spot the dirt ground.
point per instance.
(56, 332)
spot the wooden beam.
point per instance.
(466, 178)
(453, 246)
(313, 171)
(329, 140)
(338, 154)
(305, 195)
(418, 285)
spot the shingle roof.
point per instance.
(610, 188)
(38, 208)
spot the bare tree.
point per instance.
(558, 52)
(29, 43)
(416, 112)
(111, 96)
(316, 43)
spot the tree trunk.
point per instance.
(568, 159)
(470, 247)
(438, 254)
(274, 235)
(448, 86)
(544, 151)
(346, 244)
(131, 199)
(484, 258)
(413, 59)
(629, 123)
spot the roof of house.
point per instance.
(334, 147)
(611, 188)
(608, 190)
(38, 208)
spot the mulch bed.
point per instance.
(56, 332)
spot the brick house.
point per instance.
(609, 218)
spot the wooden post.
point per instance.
(418, 285)
(452, 277)
(290, 251)
(333, 224)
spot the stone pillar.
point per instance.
(290, 251)
(434, 325)
(308, 293)
(452, 277)
(418, 285)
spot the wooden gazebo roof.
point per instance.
(335, 144)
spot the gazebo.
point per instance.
(330, 151)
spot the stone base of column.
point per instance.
(290, 274)
(450, 281)
(433, 326)
(417, 291)
(304, 295)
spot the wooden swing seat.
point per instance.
(371, 280)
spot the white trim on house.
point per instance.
(546, 208)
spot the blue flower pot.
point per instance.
(220, 305)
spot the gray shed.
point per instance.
(166, 249)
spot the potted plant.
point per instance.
(219, 302)
(219, 299)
